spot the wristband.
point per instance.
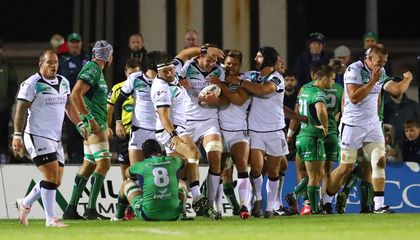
(79, 124)
(173, 134)
(204, 49)
(118, 121)
(89, 116)
(17, 134)
(290, 133)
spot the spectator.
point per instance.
(191, 38)
(135, 50)
(314, 53)
(290, 94)
(397, 110)
(340, 62)
(9, 86)
(69, 66)
(58, 45)
(411, 146)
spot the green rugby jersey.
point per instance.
(333, 101)
(159, 182)
(308, 97)
(96, 97)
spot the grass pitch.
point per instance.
(338, 227)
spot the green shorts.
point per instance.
(310, 148)
(332, 148)
(136, 204)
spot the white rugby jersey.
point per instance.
(197, 80)
(171, 95)
(233, 117)
(139, 86)
(365, 111)
(266, 113)
(49, 99)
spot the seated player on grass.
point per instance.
(160, 194)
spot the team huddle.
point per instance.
(170, 112)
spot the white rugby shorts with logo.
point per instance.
(272, 143)
(353, 137)
(39, 146)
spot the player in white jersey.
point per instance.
(234, 128)
(46, 97)
(360, 125)
(144, 118)
(266, 121)
(202, 122)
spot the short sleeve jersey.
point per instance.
(233, 117)
(127, 107)
(48, 98)
(171, 95)
(197, 80)
(366, 111)
(266, 113)
(139, 86)
(333, 97)
(310, 95)
(96, 97)
(158, 177)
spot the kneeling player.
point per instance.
(158, 196)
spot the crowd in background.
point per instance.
(401, 115)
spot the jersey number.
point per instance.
(303, 109)
(331, 100)
(161, 177)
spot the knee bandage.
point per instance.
(100, 150)
(193, 161)
(348, 156)
(229, 162)
(131, 187)
(213, 146)
(376, 152)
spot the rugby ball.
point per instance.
(212, 88)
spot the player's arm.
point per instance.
(399, 88)
(188, 53)
(357, 92)
(22, 107)
(258, 89)
(163, 112)
(74, 117)
(293, 126)
(129, 174)
(322, 114)
(237, 97)
(290, 114)
(80, 89)
(119, 128)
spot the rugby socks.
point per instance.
(278, 202)
(379, 200)
(272, 189)
(122, 205)
(365, 196)
(350, 183)
(301, 186)
(34, 195)
(327, 197)
(79, 185)
(98, 181)
(229, 192)
(48, 191)
(219, 197)
(256, 182)
(313, 193)
(243, 188)
(213, 180)
(195, 189)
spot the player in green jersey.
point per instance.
(90, 98)
(160, 194)
(310, 141)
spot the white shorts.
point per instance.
(353, 137)
(272, 143)
(200, 129)
(43, 150)
(139, 136)
(230, 138)
(164, 137)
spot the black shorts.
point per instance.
(122, 150)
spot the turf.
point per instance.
(339, 227)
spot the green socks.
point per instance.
(98, 181)
(79, 186)
(230, 194)
(313, 193)
(122, 205)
